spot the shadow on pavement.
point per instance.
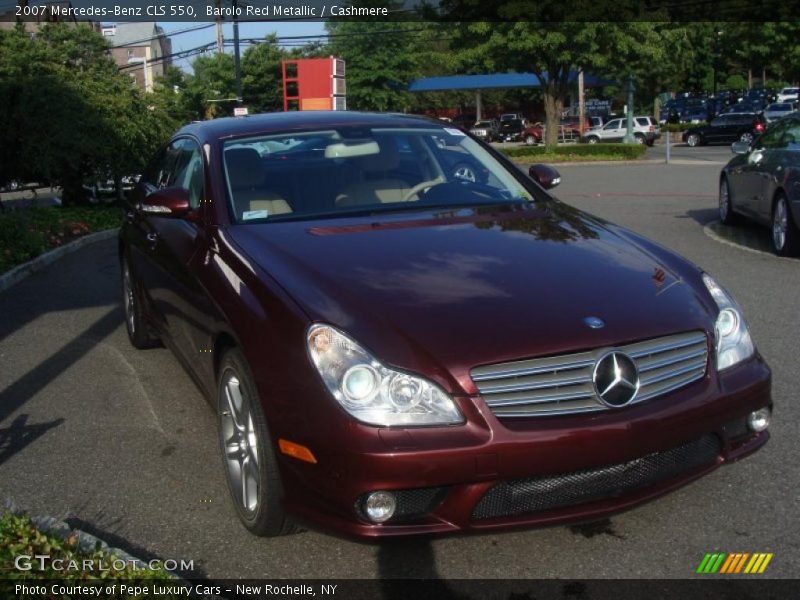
(19, 434)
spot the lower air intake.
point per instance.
(520, 496)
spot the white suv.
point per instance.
(789, 94)
(645, 129)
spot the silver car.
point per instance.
(762, 183)
(776, 110)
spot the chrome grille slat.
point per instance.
(558, 385)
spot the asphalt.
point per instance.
(123, 442)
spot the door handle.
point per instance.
(152, 239)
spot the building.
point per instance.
(140, 49)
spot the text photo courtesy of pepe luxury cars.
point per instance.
(367, 299)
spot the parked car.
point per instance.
(487, 130)
(511, 130)
(788, 94)
(726, 129)
(762, 183)
(533, 134)
(372, 333)
(776, 110)
(646, 130)
(511, 117)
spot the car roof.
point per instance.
(279, 122)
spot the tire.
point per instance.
(746, 137)
(726, 214)
(650, 143)
(693, 140)
(592, 139)
(785, 235)
(256, 491)
(530, 140)
(135, 322)
(639, 138)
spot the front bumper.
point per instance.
(459, 466)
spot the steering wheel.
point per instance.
(423, 185)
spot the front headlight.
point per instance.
(372, 392)
(733, 339)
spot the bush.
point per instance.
(25, 233)
(18, 537)
(578, 152)
(679, 127)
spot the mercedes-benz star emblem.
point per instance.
(616, 379)
(594, 322)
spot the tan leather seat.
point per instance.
(246, 175)
(378, 190)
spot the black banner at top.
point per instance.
(544, 11)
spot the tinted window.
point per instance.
(615, 124)
(189, 170)
(643, 121)
(720, 122)
(165, 171)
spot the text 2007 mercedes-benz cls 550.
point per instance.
(401, 333)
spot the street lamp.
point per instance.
(629, 137)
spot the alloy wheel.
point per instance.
(240, 443)
(128, 299)
(746, 137)
(780, 224)
(693, 140)
(724, 201)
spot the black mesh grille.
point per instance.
(529, 495)
(412, 503)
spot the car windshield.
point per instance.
(319, 174)
(483, 124)
(786, 107)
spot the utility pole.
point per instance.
(220, 39)
(629, 137)
(581, 104)
(236, 56)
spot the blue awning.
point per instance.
(494, 81)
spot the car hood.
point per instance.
(444, 291)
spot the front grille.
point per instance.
(520, 496)
(563, 384)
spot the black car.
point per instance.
(511, 130)
(762, 183)
(726, 129)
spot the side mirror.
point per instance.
(545, 175)
(740, 147)
(166, 202)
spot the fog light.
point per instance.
(380, 506)
(759, 420)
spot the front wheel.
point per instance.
(785, 235)
(726, 214)
(592, 139)
(530, 140)
(248, 451)
(747, 138)
(693, 140)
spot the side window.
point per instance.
(643, 121)
(165, 169)
(613, 124)
(719, 122)
(189, 170)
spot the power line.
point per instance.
(172, 33)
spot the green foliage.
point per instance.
(577, 152)
(68, 113)
(677, 127)
(18, 536)
(28, 232)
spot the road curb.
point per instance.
(649, 162)
(22, 271)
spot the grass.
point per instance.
(680, 127)
(25, 233)
(578, 152)
(19, 537)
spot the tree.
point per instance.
(70, 114)
(554, 52)
(262, 80)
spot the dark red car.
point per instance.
(392, 348)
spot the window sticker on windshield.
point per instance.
(452, 131)
(254, 214)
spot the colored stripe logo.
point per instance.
(734, 563)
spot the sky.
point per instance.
(193, 39)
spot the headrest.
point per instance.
(244, 168)
(386, 160)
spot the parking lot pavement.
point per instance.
(123, 440)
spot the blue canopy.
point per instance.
(494, 81)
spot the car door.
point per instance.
(716, 129)
(753, 175)
(173, 248)
(780, 154)
(612, 131)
